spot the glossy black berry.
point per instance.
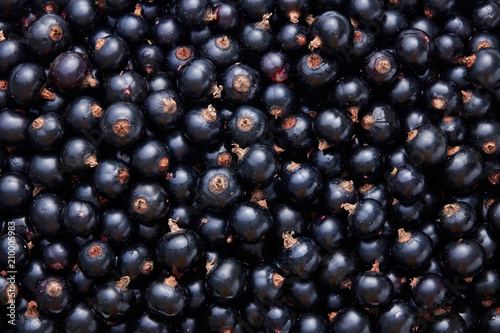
(441, 97)
(294, 133)
(203, 125)
(110, 178)
(332, 32)
(257, 37)
(372, 288)
(299, 256)
(240, 83)
(79, 155)
(406, 182)
(414, 49)
(113, 301)
(366, 163)
(226, 279)
(49, 35)
(457, 219)
(147, 202)
(222, 50)
(366, 217)
(166, 31)
(412, 250)
(316, 70)
(150, 159)
(96, 258)
(47, 131)
(81, 317)
(302, 182)
(218, 187)
(26, 84)
(179, 56)
(110, 53)
(430, 291)
(127, 86)
(180, 249)
(337, 192)
(333, 126)
(350, 319)
(163, 108)
(133, 28)
(52, 294)
(462, 168)
(166, 298)
(122, 124)
(380, 67)
(196, 79)
(463, 258)
(278, 100)
(32, 321)
(250, 222)
(246, 125)
(181, 182)
(15, 192)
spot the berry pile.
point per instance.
(249, 166)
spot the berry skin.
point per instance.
(122, 124)
(15, 192)
(333, 32)
(380, 67)
(203, 125)
(226, 280)
(302, 182)
(53, 295)
(429, 291)
(406, 182)
(47, 132)
(253, 166)
(127, 86)
(166, 298)
(222, 50)
(49, 35)
(299, 256)
(80, 217)
(96, 258)
(372, 288)
(150, 159)
(70, 71)
(457, 219)
(218, 188)
(333, 126)
(196, 79)
(240, 83)
(462, 176)
(366, 217)
(246, 125)
(110, 53)
(463, 258)
(113, 301)
(412, 250)
(414, 49)
(26, 84)
(350, 319)
(337, 192)
(110, 178)
(147, 202)
(426, 146)
(79, 155)
(180, 249)
(258, 164)
(32, 321)
(250, 222)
